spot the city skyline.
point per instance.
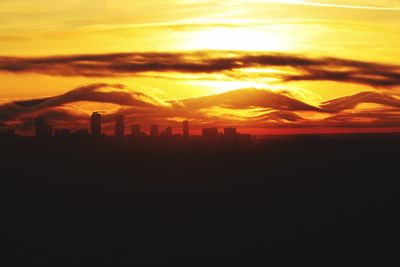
(43, 129)
(281, 67)
(199, 132)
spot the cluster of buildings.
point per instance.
(43, 130)
(136, 130)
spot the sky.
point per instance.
(282, 66)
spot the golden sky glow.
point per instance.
(360, 30)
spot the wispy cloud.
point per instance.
(90, 93)
(228, 63)
(249, 107)
(352, 101)
(334, 4)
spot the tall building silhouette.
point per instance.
(48, 130)
(39, 127)
(230, 132)
(120, 126)
(168, 131)
(210, 132)
(82, 133)
(6, 132)
(63, 133)
(136, 130)
(154, 130)
(186, 128)
(42, 129)
(96, 124)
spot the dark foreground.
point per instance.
(326, 201)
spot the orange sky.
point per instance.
(305, 51)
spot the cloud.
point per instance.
(352, 101)
(337, 4)
(288, 67)
(142, 107)
(378, 78)
(250, 98)
(384, 5)
(91, 93)
(364, 119)
(249, 107)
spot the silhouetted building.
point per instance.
(42, 129)
(186, 128)
(167, 132)
(48, 130)
(120, 126)
(136, 130)
(5, 132)
(230, 132)
(96, 124)
(81, 133)
(210, 132)
(63, 133)
(245, 138)
(154, 130)
(39, 127)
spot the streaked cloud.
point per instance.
(318, 41)
(371, 5)
(249, 107)
(290, 67)
(352, 101)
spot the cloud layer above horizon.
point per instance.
(253, 63)
(248, 107)
(231, 64)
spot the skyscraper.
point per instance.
(210, 133)
(96, 124)
(63, 133)
(186, 127)
(40, 127)
(136, 130)
(230, 132)
(5, 132)
(154, 130)
(48, 130)
(120, 126)
(168, 131)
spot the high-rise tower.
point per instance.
(136, 130)
(39, 127)
(120, 126)
(42, 129)
(154, 130)
(186, 128)
(96, 124)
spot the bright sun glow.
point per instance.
(217, 87)
(238, 39)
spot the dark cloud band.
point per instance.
(302, 68)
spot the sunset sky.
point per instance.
(264, 66)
